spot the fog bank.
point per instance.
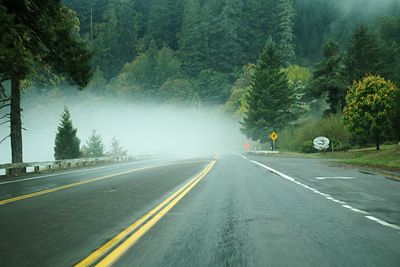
(141, 129)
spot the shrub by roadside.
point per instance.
(299, 138)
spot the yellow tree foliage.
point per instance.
(370, 108)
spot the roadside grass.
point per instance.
(388, 158)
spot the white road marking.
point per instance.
(354, 209)
(191, 157)
(335, 177)
(240, 155)
(274, 171)
(335, 200)
(328, 196)
(383, 222)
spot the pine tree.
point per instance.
(390, 33)
(94, 147)
(364, 55)
(165, 22)
(257, 22)
(270, 99)
(329, 78)
(116, 38)
(66, 143)
(116, 149)
(285, 35)
(39, 34)
(313, 23)
(192, 40)
(224, 44)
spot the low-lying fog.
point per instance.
(141, 129)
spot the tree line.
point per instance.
(192, 52)
(361, 83)
(67, 145)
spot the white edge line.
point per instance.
(191, 157)
(372, 218)
(240, 155)
(354, 209)
(335, 177)
(274, 171)
(393, 226)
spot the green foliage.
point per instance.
(45, 34)
(286, 13)
(192, 42)
(66, 142)
(390, 29)
(370, 108)
(364, 55)
(224, 42)
(299, 79)
(307, 147)
(97, 84)
(165, 22)
(270, 100)
(94, 147)
(237, 102)
(213, 87)
(300, 138)
(390, 34)
(329, 78)
(39, 34)
(177, 91)
(313, 22)
(116, 38)
(222, 35)
(144, 76)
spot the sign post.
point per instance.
(246, 146)
(273, 136)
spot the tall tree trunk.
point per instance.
(377, 141)
(16, 128)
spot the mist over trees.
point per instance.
(144, 47)
(197, 53)
(39, 37)
(93, 147)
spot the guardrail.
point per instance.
(31, 167)
(262, 152)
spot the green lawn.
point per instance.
(386, 158)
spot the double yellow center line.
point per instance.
(59, 188)
(118, 245)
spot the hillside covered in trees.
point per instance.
(196, 49)
(271, 65)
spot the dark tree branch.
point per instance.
(8, 115)
(5, 105)
(4, 122)
(2, 91)
(2, 140)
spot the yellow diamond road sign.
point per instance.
(273, 136)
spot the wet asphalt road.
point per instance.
(240, 214)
